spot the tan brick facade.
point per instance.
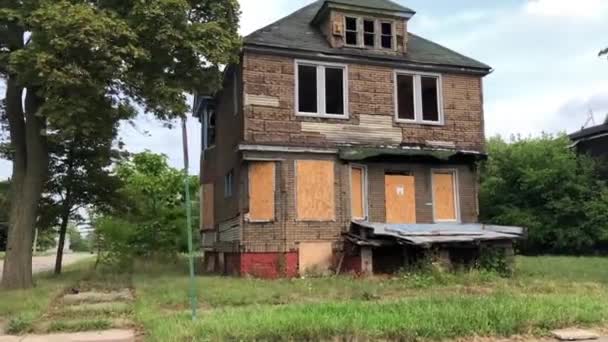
(371, 94)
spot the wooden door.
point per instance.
(400, 195)
(444, 194)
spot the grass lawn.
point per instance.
(545, 293)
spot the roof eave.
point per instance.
(379, 61)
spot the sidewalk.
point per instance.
(95, 336)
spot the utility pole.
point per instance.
(189, 218)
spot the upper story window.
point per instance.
(229, 184)
(352, 31)
(321, 89)
(369, 33)
(387, 37)
(418, 98)
(209, 131)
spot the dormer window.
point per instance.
(352, 31)
(387, 35)
(369, 33)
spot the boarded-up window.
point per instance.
(261, 191)
(315, 190)
(357, 193)
(444, 196)
(400, 192)
(207, 207)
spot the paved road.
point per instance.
(47, 262)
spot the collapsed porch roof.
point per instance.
(363, 153)
(426, 235)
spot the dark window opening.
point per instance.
(334, 91)
(351, 31)
(405, 97)
(430, 106)
(307, 89)
(369, 33)
(387, 35)
(210, 127)
(229, 184)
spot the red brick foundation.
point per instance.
(270, 265)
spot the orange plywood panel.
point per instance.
(315, 190)
(400, 199)
(208, 207)
(356, 193)
(261, 191)
(443, 194)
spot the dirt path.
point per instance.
(47, 262)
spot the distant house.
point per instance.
(343, 142)
(593, 141)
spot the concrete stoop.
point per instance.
(93, 336)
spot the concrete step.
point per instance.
(93, 336)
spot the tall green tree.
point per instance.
(543, 185)
(61, 58)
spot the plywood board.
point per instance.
(443, 195)
(357, 193)
(315, 257)
(261, 191)
(208, 207)
(400, 197)
(315, 199)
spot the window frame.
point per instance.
(365, 190)
(274, 192)
(321, 96)
(456, 181)
(229, 184)
(393, 35)
(375, 33)
(357, 31)
(206, 119)
(418, 101)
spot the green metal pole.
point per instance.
(189, 219)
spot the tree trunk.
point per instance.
(65, 217)
(30, 164)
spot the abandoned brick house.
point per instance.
(342, 142)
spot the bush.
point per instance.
(542, 185)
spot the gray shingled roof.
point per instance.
(379, 4)
(296, 32)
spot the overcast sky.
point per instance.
(547, 75)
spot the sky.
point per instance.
(547, 74)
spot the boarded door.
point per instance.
(315, 257)
(444, 196)
(400, 199)
(315, 190)
(357, 193)
(261, 191)
(207, 207)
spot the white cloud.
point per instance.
(567, 8)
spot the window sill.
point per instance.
(259, 221)
(323, 116)
(417, 122)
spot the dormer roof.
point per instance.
(296, 33)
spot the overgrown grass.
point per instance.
(545, 293)
(22, 308)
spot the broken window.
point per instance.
(352, 34)
(210, 128)
(430, 108)
(261, 191)
(321, 90)
(229, 184)
(445, 203)
(307, 89)
(419, 98)
(405, 94)
(315, 190)
(369, 33)
(387, 35)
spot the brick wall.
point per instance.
(371, 95)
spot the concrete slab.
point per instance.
(575, 335)
(98, 297)
(94, 336)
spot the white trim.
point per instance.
(357, 31)
(321, 108)
(365, 190)
(393, 35)
(375, 22)
(455, 179)
(289, 149)
(418, 110)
